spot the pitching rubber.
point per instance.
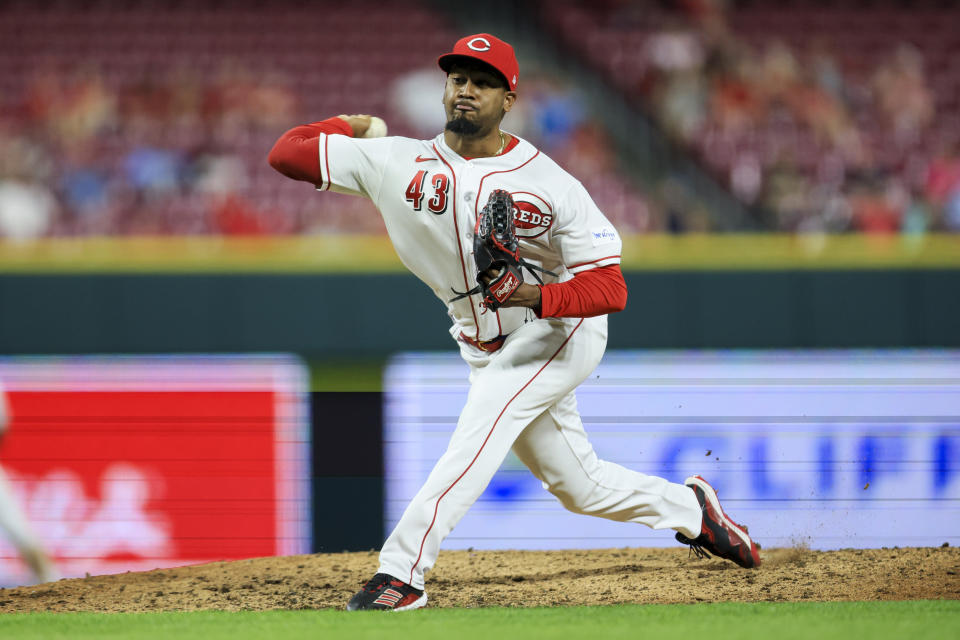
(419, 602)
(711, 496)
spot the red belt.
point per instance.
(487, 345)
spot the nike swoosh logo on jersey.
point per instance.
(422, 159)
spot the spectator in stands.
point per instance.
(825, 70)
(902, 93)
(27, 209)
(825, 116)
(27, 206)
(778, 73)
(414, 96)
(72, 105)
(943, 175)
(951, 212)
(746, 177)
(681, 103)
(556, 112)
(918, 216)
(873, 211)
(785, 197)
(736, 102)
(84, 188)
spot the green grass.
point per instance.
(758, 621)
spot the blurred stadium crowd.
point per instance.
(818, 115)
(150, 118)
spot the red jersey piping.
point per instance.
(456, 229)
(580, 264)
(476, 204)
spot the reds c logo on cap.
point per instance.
(479, 44)
(488, 49)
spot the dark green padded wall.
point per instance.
(330, 315)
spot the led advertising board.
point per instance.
(828, 449)
(135, 463)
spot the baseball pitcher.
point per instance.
(528, 268)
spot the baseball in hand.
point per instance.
(377, 128)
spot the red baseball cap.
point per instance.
(485, 48)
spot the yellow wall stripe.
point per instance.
(374, 254)
(789, 251)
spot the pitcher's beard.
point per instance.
(463, 127)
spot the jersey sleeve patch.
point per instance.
(603, 235)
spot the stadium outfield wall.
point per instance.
(326, 297)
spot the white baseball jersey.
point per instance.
(521, 396)
(430, 196)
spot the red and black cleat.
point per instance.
(719, 535)
(383, 592)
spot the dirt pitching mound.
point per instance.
(514, 579)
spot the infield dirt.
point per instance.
(515, 579)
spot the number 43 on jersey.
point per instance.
(439, 184)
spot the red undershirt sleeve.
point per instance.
(297, 153)
(590, 293)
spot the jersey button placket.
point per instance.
(468, 192)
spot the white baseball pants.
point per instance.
(522, 397)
